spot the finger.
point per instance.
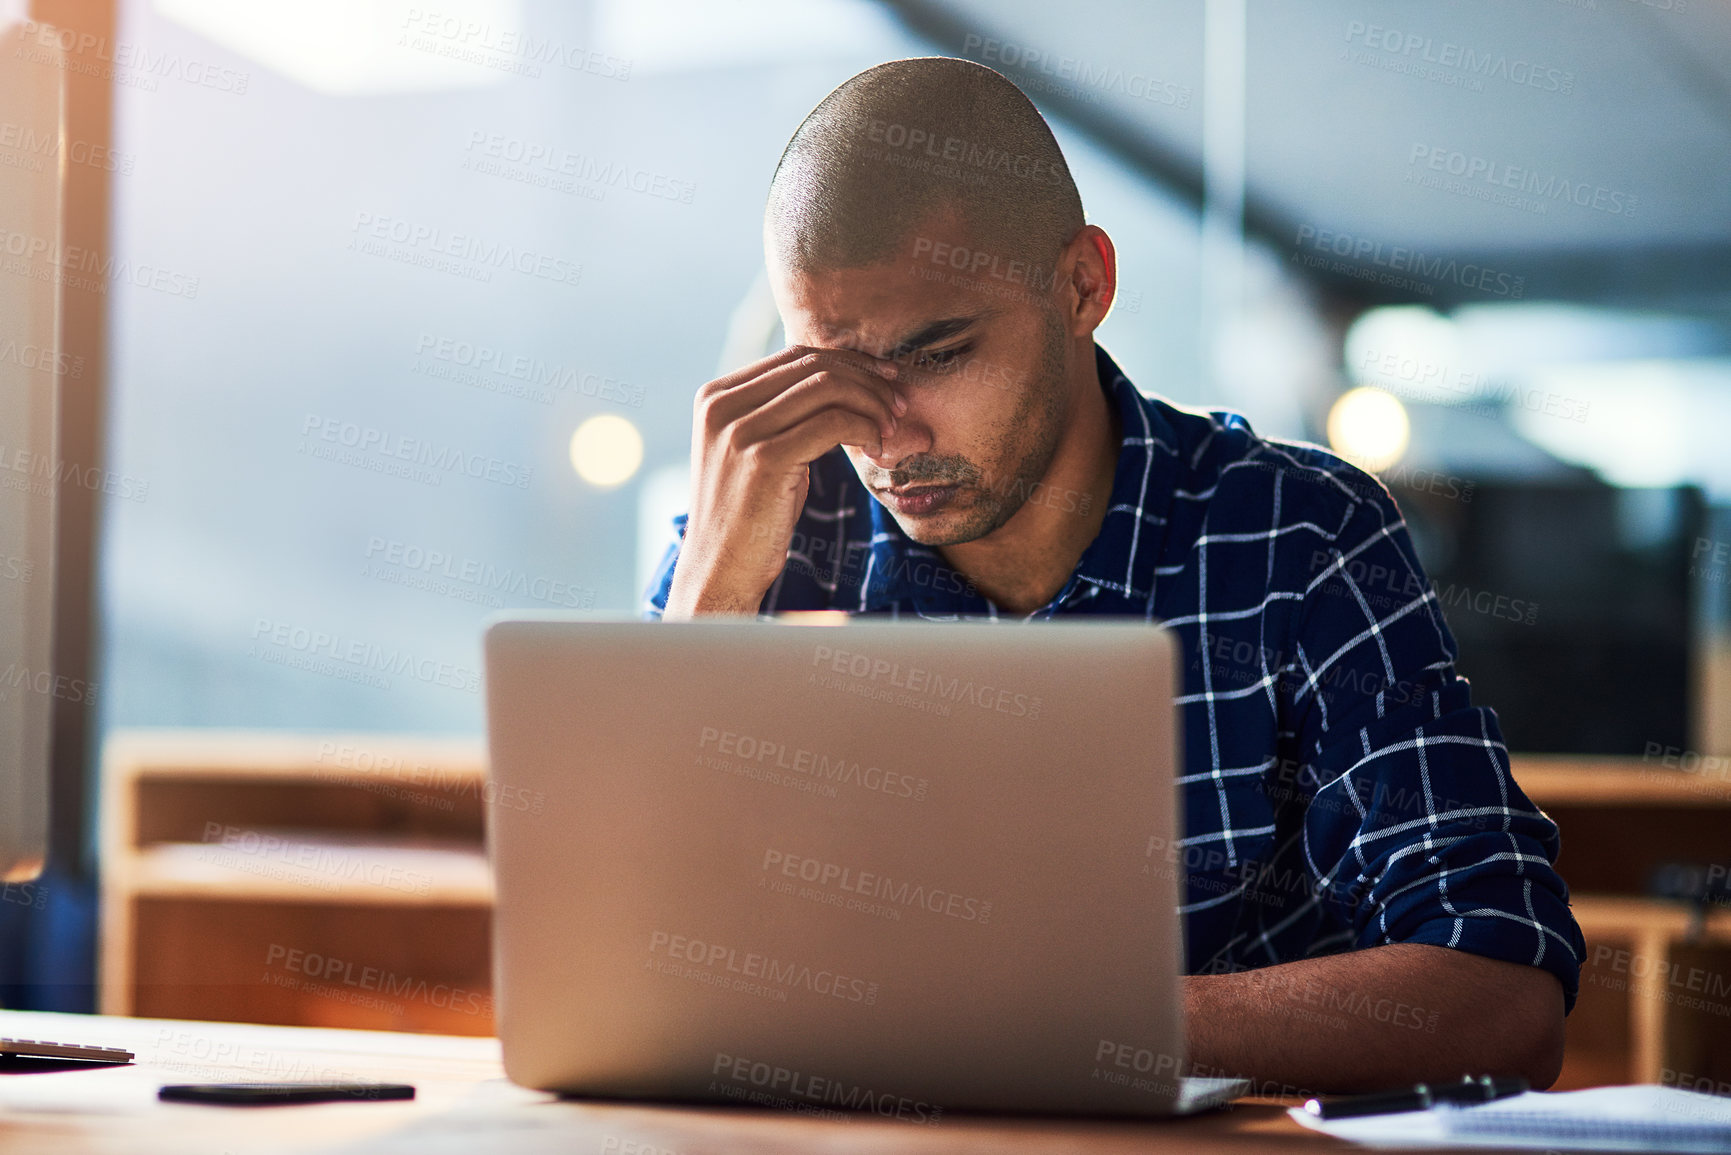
(816, 436)
(734, 401)
(758, 368)
(881, 366)
(822, 390)
(748, 395)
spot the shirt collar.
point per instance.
(1121, 558)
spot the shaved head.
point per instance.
(912, 141)
(923, 215)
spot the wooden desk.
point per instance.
(464, 1105)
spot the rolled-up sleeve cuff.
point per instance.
(1512, 918)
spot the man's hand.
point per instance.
(754, 432)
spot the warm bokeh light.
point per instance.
(606, 450)
(1369, 428)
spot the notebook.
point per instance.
(1637, 1118)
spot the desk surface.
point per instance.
(464, 1104)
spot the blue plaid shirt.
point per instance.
(1339, 790)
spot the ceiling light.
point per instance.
(606, 450)
(1368, 428)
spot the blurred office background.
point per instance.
(1482, 250)
(1536, 258)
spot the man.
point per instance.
(1369, 897)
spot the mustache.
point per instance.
(932, 471)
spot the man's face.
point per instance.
(981, 357)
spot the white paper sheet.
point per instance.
(1637, 1118)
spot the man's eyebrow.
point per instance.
(933, 333)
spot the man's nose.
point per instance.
(911, 436)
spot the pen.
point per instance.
(1468, 1091)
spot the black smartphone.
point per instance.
(268, 1094)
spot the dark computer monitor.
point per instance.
(1572, 604)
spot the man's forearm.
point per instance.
(691, 594)
(1374, 1018)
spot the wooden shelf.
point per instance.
(314, 871)
(1658, 979)
(229, 858)
(1604, 916)
(1553, 779)
(177, 753)
(1638, 1018)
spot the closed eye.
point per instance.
(938, 360)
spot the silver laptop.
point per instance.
(905, 868)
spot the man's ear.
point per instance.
(1093, 265)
